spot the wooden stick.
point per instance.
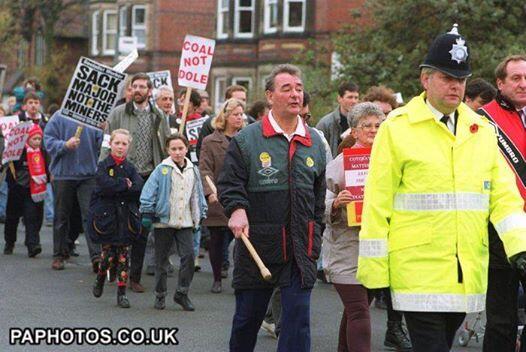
(185, 108)
(12, 168)
(78, 132)
(262, 268)
(211, 184)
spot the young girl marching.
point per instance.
(173, 200)
(114, 219)
(26, 181)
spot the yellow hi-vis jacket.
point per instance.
(428, 197)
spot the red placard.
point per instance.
(356, 168)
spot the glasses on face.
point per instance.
(370, 126)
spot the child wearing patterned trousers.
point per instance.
(114, 219)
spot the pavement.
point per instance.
(32, 295)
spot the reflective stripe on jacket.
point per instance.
(428, 198)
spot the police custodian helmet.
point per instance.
(449, 54)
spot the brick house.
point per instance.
(254, 35)
(251, 35)
(158, 25)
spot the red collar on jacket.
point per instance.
(268, 131)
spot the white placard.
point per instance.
(126, 62)
(196, 59)
(159, 79)
(8, 122)
(92, 93)
(15, 141)
(193, 128)
(127, 45)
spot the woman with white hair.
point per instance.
(340, 242)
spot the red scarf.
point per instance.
(37, 173)
(118, 160)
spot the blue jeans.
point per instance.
(197, 241)
(49, 211)
(251, 306)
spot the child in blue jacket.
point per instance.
(114, 218)
(173, 201)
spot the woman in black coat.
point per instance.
(114, 218)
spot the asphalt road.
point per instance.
(34, 295)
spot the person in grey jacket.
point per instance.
(149, 129)
(335, 123)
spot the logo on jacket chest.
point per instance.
(267, 171)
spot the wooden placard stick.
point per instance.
(12, 169)
(211, 184)
(262, 268)
(78, 132)
(185, 109)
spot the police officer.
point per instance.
(428, 200)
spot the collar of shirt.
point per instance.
(300, 129)
(439, 115)
(136, 108)
(38, 116)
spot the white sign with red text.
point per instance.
(15, 141)
(196, 59)
(7, 122)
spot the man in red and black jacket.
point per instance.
(272, 187)
(508, 113)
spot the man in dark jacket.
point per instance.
(273, 180)
(335, 123)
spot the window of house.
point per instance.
(294, 15)
(40, 49)
(138, 25)
(95, 33)
(222, 19)
(243, 81)
(21, 54)
(109, 32)
(270, 16)
(244, 18)
(219, 92)
(123, 21)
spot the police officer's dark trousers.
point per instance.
(432, 332)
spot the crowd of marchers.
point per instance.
(443, 229)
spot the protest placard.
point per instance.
(159, 79)
(6, 123)
(356, 166)
(196, 59)
(92, 93)
(15, 141)
(193, 128)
